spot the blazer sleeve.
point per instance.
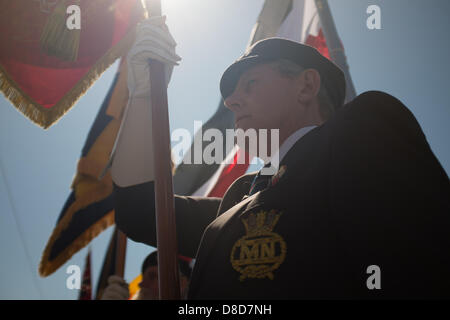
(135, 216)
(391, 198)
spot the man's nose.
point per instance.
(234, 101)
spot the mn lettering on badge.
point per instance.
(261, 251)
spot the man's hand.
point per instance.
(117, 289)
(153, 41)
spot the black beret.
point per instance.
(152, 260)
(271, 49)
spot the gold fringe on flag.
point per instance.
(56, 38)
(19, 99)
(100, 192)
(47, 267)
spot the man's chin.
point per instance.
(243, 123)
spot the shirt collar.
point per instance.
(287, 145)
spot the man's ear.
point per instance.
(308, 85)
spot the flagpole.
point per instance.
(334, 45)
(121, 253)
(107, 265)
(169, 284)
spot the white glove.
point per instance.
(132, 154)
(153, 41)
(117, 289)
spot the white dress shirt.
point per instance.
(284, 148)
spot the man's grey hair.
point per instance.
(290, 69)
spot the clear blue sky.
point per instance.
(407, 58)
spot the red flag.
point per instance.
(229, 173)
(302, 24)
(44, 66)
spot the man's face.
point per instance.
(149, 284)
(263, 98)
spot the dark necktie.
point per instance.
(260, 181)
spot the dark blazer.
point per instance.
(363, 189)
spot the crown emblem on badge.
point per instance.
(260, 251)
(260, 223)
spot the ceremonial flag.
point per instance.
(89, 208)
(302, 24)
(86, 285)
(47, 63)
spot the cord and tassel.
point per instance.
(56, 38)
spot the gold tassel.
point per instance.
(56, 39)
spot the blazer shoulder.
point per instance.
(242, 183)
(378, 103)
(384, 109)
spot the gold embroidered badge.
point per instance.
(260, 251)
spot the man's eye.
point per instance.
(250, 83)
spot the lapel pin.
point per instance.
(278, 175)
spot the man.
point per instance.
(359, 206)
(148, 287)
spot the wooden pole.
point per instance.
(121, 253)
(169, 283)
(334, 45)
